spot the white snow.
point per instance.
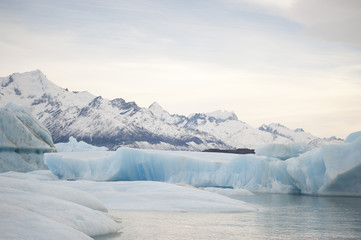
(329, 170)
(74, 146)
(33, 85)
(85, 116)
(222, 115)
(160, 113)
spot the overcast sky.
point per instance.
(288, 61)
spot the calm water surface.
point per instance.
(278, 217)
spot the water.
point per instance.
(278, 217)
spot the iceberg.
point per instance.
(74, 146)
(37, 205)
(194, 168)
(40, 210)
(352, 137)
(60, 192)
(23, 140)
(254, 173)
(330, 170)
(157, 196)
(283, 151)
(18, 223)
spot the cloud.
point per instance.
(330, 20)
(283, 4)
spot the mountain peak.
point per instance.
(35, 77)
(155, 106)
(36, 71)
(158, 111)
(115, 123)
(274, 128)
(222, 115)
(27, 85)
(30, 74)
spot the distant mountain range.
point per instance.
(114, 123)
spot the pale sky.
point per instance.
(295, 62)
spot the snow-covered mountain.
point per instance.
(114, 123)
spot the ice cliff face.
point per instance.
(23, 140)
(329, 170)
(114, 123)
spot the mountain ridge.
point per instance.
(114, 123)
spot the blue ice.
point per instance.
(330, 170)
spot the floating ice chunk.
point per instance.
(282, 151)
(64, 193)
(331, 169)
(307, 171)
(21, 162)
(352, 137)
(343, 167)
(334, 169)
(21, 131)
(23, 140)
(74, 146)
(230, 192)
(96, 166)
(138, 195)
(255, 173)
(18, 223)
(36, 197)
(38, 130)
(38, 175)
(158, 196)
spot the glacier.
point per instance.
(23, 140)
(332, 169)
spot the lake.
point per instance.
(278, 217)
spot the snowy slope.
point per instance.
(297, 135)
(114, 123)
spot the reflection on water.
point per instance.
(279, 217)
